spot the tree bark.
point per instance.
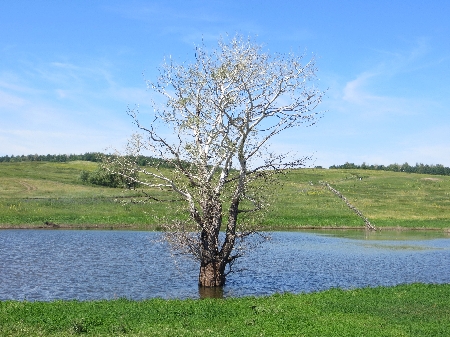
(212, 274)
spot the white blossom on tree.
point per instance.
(222, 110)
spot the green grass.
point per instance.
(405, 310)
(34, 192)
(388, 199)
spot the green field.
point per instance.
(406, 310)
(34, 192)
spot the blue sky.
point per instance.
(70, 69)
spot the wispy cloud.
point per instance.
(70, 107)
(354, 90)
(386, 89)
(406, 60)
(10, 101)
(358, 95)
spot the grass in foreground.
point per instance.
(406, 310)
(34, 192)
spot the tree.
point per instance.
(111, 177)
(222, 110)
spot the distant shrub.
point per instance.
(103, 177)
(84, 176)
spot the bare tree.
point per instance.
(222, 111)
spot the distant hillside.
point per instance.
(419, 168)
(35, 192)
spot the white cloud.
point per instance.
(386, 114)
(10, 101)
(70, 109)
(358, 94)
(392, 85)
(354, 92)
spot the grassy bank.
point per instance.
(34, 192)
(406, 310)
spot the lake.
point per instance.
(49, 265)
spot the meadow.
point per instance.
(32, 193)
(404, 310)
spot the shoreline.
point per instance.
(155, 228)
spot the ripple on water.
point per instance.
(85, 265)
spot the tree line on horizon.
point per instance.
(418, 168)
(58, 158)
(96, 157)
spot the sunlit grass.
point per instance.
(405, 310)
(386, 198)
(34, 192)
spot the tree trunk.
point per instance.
(212, 274)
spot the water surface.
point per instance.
(74, 264)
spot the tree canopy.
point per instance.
(222, 110)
